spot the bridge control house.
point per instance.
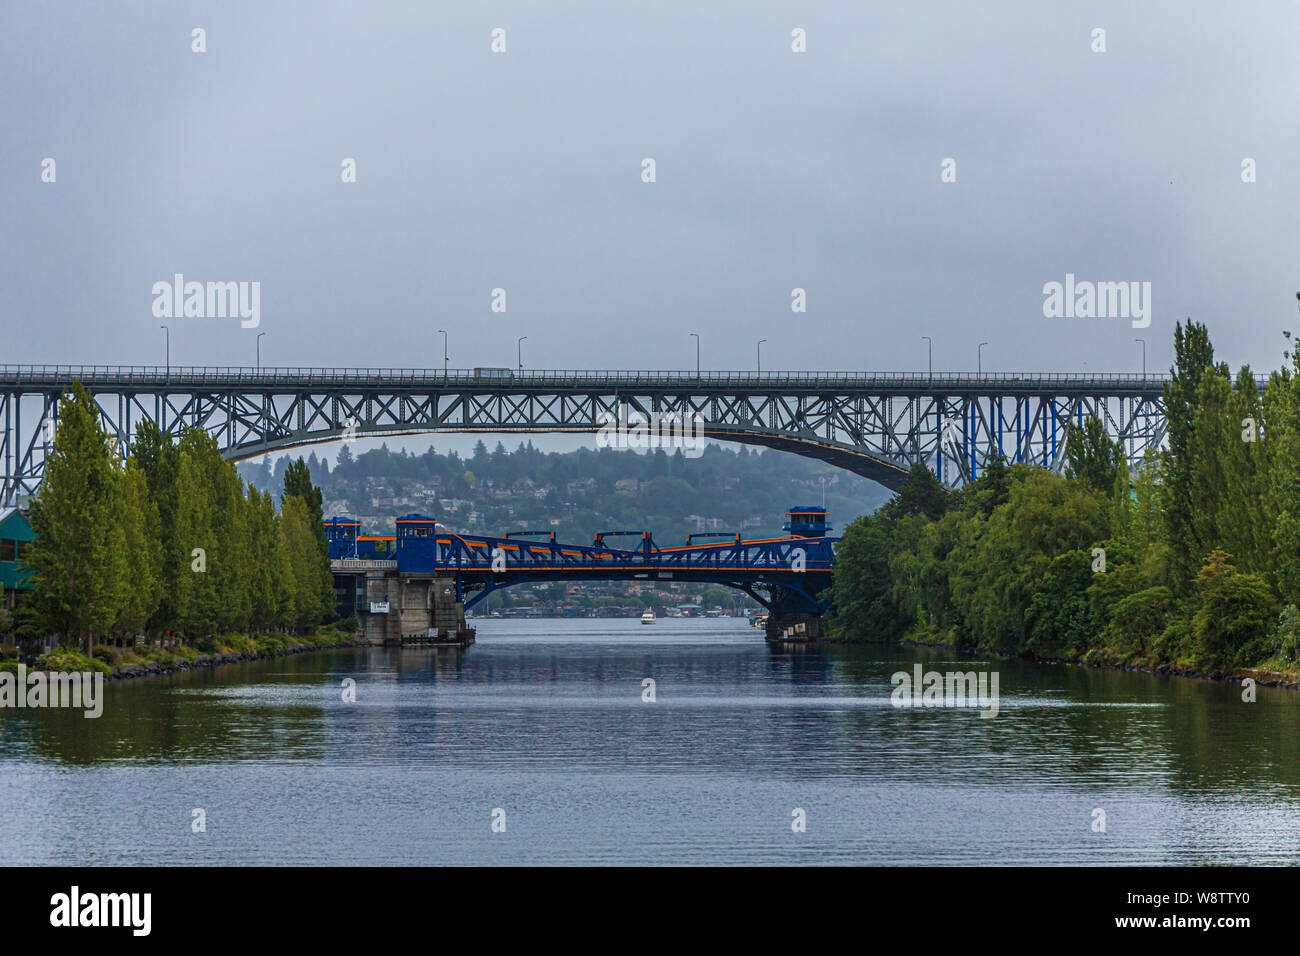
(393, 585)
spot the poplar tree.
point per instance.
(75, 583)
(1193, 360)
(298, 484)
(196, 600)
(159, 460)
(141, 551)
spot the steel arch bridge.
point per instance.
(875, 424)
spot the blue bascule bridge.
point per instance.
(416, 585)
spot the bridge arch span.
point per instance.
(875, 424)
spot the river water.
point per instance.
(542, 726)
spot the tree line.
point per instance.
(169, 542)
(1191, 559)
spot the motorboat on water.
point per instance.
(648, 617)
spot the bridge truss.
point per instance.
(785, 574)
(875, 424)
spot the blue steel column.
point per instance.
(971, 436)
(1000, 452)
(1052, 401)
(939, 442)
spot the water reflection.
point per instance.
(547, 717)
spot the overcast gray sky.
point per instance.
(522, 171)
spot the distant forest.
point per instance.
(578, 492)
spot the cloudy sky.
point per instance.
(523, 171)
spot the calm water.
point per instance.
(544, 719)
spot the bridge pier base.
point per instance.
(785, 628)
(398, 609)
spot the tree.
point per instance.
(141, 550)
(298, 484)
(303, 564)
(75, 578)
(196, 593)
(1193, 359)
(1232, 627)
(159, 460)
(920, 494)
(1090, 456)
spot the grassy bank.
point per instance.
(144, 659)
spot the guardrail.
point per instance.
(266, 376)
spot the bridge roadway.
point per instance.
(877, 424)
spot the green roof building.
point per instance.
(15, 537)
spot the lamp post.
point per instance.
(259, 350)
(519, 349)
(444, 353)
(930, 352)
(979, 358)
(697, 352)
(759, 350)
(1144, 355)
(169, 349)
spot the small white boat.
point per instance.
(648, 617)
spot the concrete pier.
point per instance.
(396, 609)
(793, 628)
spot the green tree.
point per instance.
(195, 550)
(159, 460)
(1233, 625)
(75, 574)
(141, 550)
(1090, 456)
(920, 494)
(298, 484)
(1193, 359)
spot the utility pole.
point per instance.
(259, 350)
(169, 349)
(760, 356)
(697, 353)
(1144, 355)
(444, 354)
(519, 348)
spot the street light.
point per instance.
(697, 352)
(259, 350)
(169, 349)
(930, 352)
(979, 358)
(444, 353)
(1144, 355)
(519, 348)
(759, 349)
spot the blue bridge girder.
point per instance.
(875, 424)
(788, 573)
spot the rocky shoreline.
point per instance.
(156, 669)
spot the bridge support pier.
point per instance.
(400, 609)
(786, 628)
